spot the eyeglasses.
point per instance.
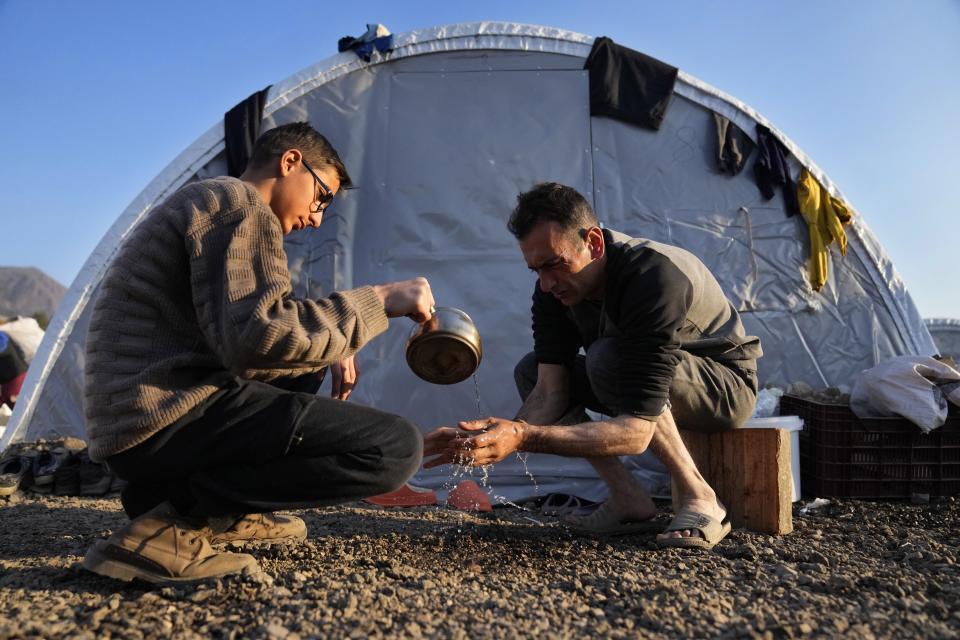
(326, 195)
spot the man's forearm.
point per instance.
(543, 408)
(622, 435)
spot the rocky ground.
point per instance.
(851, 569)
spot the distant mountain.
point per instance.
(26, 290)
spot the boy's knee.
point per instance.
(403, 455)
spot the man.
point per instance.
(197, 309)
(663, 347)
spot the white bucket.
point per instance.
(794, 425)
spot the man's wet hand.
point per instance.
(497, 439)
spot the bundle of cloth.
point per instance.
(19, 339)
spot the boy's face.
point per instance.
(297, 195)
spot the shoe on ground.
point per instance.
(468, 496)
(562, 504)
(13, 474)
(45, 465)
(708, 531)
(95, 480)
(117, 484)
(263, 528)
(406, 496)
(162, 548)
(66, 479)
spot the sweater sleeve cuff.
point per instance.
(369, 308)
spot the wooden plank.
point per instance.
(750, 471)
(753, 480)
(714, 475)
(766, 501)
(733, 460)
(699, 448)
(783, 512)
(739, 485)
(768, 518)
(768, 497)
(732, 485)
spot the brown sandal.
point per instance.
(711, 531)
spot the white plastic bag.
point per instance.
(768, 403)
(5, 413)
(914, 387)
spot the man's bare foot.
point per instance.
(611, 518)
(615, 515)
(635, 507)
(709, 507)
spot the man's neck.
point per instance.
(599, 289)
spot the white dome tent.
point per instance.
(439, 135)
(946, 335)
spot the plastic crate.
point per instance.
(844, 456)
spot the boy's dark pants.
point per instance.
(255, 448)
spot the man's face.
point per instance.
(564, 262)
(297, 194)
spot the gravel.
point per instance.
(851, 569)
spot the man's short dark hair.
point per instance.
(298, 135)
(553, 202)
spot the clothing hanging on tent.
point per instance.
(377, 37)
(241, 128)
(825, 216)
(628, 85)
(771, 169)
(733, 146)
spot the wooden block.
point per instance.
(731, 484)
(750, 471)
(783, 508)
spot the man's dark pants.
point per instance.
(255, 448)
(705, 395)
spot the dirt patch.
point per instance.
(857, 569)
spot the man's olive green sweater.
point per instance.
(199, 292)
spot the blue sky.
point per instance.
(97, 97)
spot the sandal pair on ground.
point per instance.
(591, 518)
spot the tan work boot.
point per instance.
(263, 528)
(160, 547)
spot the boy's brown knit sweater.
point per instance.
(199, 292)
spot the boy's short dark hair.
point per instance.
(550, 201)
(298, 135)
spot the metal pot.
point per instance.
(445, 349)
